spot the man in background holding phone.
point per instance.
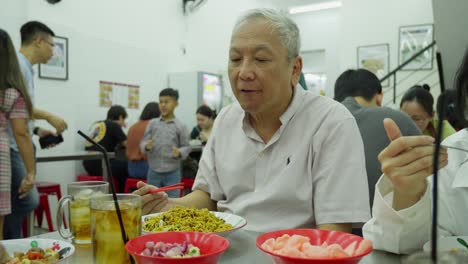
(36, 47)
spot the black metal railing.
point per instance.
(394, 72)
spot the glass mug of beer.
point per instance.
(79, 212)
(108, 244)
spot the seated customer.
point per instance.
(205, 120)
(402, 207)
(137, 161)
(109, 134)
(280, 155)
(361, 92)
(418, 103)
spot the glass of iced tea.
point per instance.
(79, 212)
(108, 244)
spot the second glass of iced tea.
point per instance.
(108, 244)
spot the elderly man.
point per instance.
(280, 156)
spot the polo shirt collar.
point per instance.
(294, 105)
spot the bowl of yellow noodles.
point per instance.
(191, 219)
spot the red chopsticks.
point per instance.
(176, 186)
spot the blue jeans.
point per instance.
(161, 179)
(138, 169)
(20, 207)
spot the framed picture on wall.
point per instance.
(376, 59)
(57, 67)
(413, 39)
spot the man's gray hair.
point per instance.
(284, 26)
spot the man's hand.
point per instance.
(27, 184)
(407, 162)
(41, 132)
(150, 203)
(149, 145)
(175, 152)
(58, 123)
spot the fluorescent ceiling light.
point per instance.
(315, 7)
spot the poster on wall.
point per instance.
(57, 66)
(112, 93)
(375, 58)
(412, 40)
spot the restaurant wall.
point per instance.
(367, 22)
(321, 31)
(451, 35)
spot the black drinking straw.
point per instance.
(435, 165)
(435, 182)
(111, 181)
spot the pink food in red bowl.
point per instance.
(211, 247)
(307, 246)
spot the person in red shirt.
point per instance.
(137, 162)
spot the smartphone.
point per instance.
(50, 140)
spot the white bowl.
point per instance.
(447, 244)
(236, 221)
(23, 245)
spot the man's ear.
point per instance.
(37, 40)
(379, 98)
(296, 72)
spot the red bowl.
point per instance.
(211, 247)
(317, 237)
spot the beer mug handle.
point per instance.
(61, 205)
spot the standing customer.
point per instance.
(36, 47)
(166, 143)
(137, 161)
(15, 105)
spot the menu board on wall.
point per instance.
(126, 95)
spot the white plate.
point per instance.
(236, 221)
(446, 243)
(23, 245)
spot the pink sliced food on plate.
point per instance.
(298, 246)
(314, 251)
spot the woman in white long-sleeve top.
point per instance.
(401, 220)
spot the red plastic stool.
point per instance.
(44, 208)
(84, 177)
(45, 189)
(131, 183)
(188, 183)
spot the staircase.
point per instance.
(401, 80)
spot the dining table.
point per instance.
(242, 250)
